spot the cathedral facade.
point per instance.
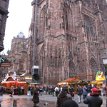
(68, 38)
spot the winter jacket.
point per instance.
(61, 98)
(93, 101)
(70, 103)
(36, 96)
(85, 91)
(79, 91)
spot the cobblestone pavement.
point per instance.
(26, 101)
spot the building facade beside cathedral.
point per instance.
(68, 37)
(3, 17)
(18, 55)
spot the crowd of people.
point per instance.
(91, 96)
(65, 96)
(88, 94)
(12, 90)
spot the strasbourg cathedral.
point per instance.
(68, 38)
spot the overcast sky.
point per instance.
(19, 18)
(20, 12)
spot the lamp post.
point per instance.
(105, 67)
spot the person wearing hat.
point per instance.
(94, 100)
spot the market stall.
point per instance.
(100, 78)
(11, 83)
(72, 80)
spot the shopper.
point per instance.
(85, 92)
(35, 97)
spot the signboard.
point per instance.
(105, 61)
(5, 64)
(35, 70)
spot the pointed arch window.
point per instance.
(93, 65)
(89, 26)
(68, 20)
(42, 23)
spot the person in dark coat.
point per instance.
(70, 103)
(35, 97)
(94, 100)
(62, 97)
